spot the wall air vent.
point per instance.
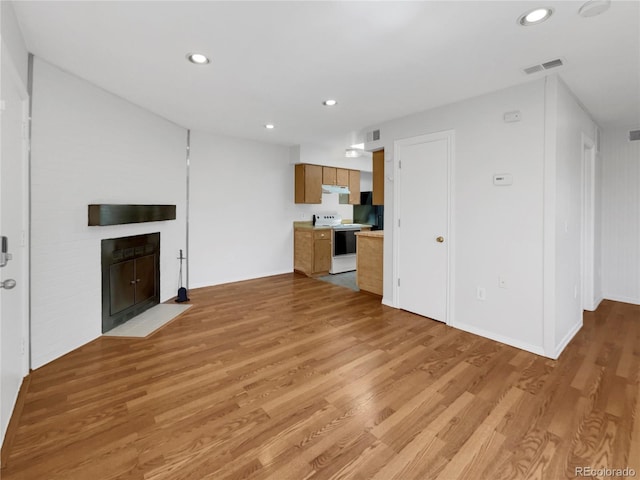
(634, 135)
(558, 62)
(373, 136)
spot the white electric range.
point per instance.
(343, 241)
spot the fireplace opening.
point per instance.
(130, 277)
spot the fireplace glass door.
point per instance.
(130, 277)
(131, 282)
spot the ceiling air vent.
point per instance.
(534, 69)
(373, 136)
(558, 62)
(552, 64)
(634, 135)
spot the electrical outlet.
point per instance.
(481, 293)
(502, 281)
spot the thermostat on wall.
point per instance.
(502, 179)
(511, 117)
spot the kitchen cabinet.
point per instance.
(378, 178)
(354, 187)
(369, 258)
(308, 183)
(335, 176)
(321, 251)
(310, 178)
(342, 177)
(329, 175)
(312, 250)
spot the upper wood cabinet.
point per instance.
(342, 177)
(329, 176)
(308, 188)
(335, 176)
(310, 178)
(354, 187)
(378, 178)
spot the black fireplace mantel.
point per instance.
(118, 214)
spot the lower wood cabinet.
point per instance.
(312, 250)
(369, 258)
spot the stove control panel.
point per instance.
(328, 220)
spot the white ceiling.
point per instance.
(277, 61)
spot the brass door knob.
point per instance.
(440, 239)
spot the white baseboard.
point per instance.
(622, 298)
(567, 338)
(242, 278)
(597, 303)
(537, 349)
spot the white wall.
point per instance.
(241, 210)
(90, 146)
(330, 204)
(621, 216)
(13, 304)
(12, 40)
(242, 207)
(572, 122)
(496, 230)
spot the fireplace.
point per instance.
(130, 277)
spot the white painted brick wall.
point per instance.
(89, 146)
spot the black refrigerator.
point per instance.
(368, 214)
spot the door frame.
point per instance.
(24, 241)
(587, 230)
(449, 136)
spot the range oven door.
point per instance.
(344, 242)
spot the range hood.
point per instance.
(334, 189)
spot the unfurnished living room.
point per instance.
(320, 240)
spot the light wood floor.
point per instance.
(292, 378)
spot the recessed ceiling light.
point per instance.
(197, 58)
(594, 7)
(329, 103)
(269, 126)
(535, 17)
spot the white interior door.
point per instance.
(423, 228)
(14, 302)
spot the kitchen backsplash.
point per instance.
(330, 203)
